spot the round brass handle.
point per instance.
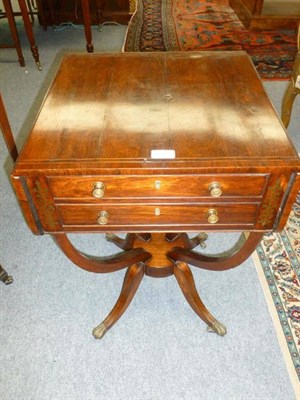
(212, 216)
(215, 189)
(98, 190)
(103, 218)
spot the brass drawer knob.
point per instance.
(215, 189)
(103, 218)
(212, 216)
(98, 190)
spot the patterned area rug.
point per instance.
(187, 25)
(277, 261)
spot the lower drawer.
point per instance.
(158, 215)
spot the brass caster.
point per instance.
(110, 237)
(218, 328)
(202, 237)
(99, 331)
(4, 277)
(8, 280)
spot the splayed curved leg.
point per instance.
(246, 244)
(132, 280)
(186, 282)
(100, 264)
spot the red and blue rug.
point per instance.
(194, 25)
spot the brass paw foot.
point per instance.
(99, 331)
(8, 280)
(201, 238)
(218, 328)
(110, 237)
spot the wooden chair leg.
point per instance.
(13, 29)
(293, 88)
(287, 104)
(87, 25)
(29, 32)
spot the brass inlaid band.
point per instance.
(132, 6)
(269, 207)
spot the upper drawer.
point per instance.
(162, 186)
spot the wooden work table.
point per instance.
(156, 145)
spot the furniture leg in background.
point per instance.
(30, 6)
(29, 32)
(87, 25)
(41, 14)
(50, 4)
(14, 32)
(293, 88)
(28, 29)
(6, 131)
(10, 143)
(99, 10)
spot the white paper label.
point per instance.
(163, 154)
(297, 84)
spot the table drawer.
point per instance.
(158, 215)
(191, 186)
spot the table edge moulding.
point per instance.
(155, 145)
